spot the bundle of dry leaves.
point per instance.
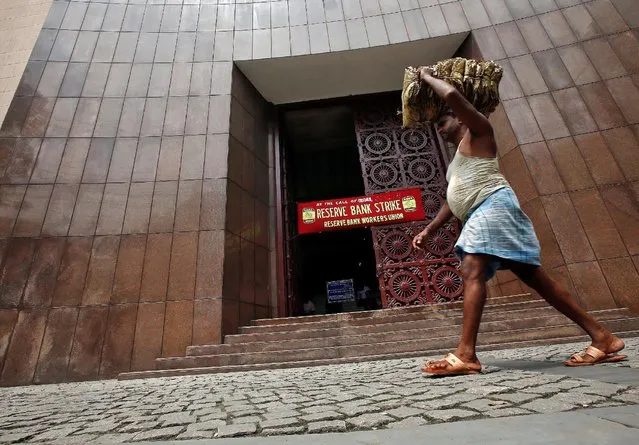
(478, 81)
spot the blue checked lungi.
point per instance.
(498, 227)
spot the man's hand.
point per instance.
(425, 72)
(418, 241)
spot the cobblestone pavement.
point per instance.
(364, 396)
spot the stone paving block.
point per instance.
(262, 400)
(385, 397)
(241, 429)
(628, 397)
(55, 433)
(195, 434)
(326, 415)
(409, 422)
(407, 391)
(579, 398)
(279, 406)
(566, 384)
(609, 404)
(103, 426)
(517, 397)
(525, 382)
(110, 439)
(168, 409)
(173, 419)
(320, 403)
(603, 389)
(450, 414)
(139, 426)
(390, 404)
(280, 414)
(344, 397)
(542, 390)
(487, 390)
(284, 431)
(280, 423)
(317, 409)
(240, 409)
(550, 405)
(158, 434)
(368, 392)
(58, 420)
(484, 405)
(208, 425)
(506, 412)
(403, 412)
(330, 426)
(358, 409)
(13, 437)
(298, 399)
(246, 419)
(446, 402)
(434, 393)
(239, 398)
(81, 439)
(354, 403)
(200, 405)
(212, 416)
(368, 421)
(246, 412)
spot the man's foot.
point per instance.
(602, 350)
(608, 343)
(451, 365)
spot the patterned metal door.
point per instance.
(393, 158)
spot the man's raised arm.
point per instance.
(476, 122)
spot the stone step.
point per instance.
(439, 319)
(386, 317)
(389, 347)
(386, 312)
(338, 361)
(516, 320)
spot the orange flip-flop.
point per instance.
(593, 356)
(455, 367)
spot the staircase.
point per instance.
(513, 321)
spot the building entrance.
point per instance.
(322, 162)
(356, 147)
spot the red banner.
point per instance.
(349, 213)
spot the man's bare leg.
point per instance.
(473, 271)
(559, 297)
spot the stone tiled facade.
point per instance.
(136, 162)
(20, 23)
(568, 135)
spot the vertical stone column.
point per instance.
(246, 290)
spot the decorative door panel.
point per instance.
(394, 158)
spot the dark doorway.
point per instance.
(322, 162)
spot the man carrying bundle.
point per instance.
(496, 235)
